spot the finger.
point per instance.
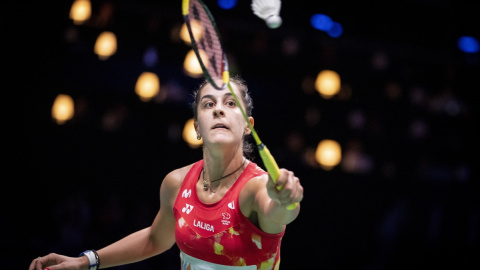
(284, 176)
(291, 184)
(286, 196)
(36, 264)
(54, 262)
(51, 261)
(297, 190)
(293, 192)
(286, 186)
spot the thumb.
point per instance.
(60, 266)
(55, 267)
(282, 179)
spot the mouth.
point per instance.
(220, 126)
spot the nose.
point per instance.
(218, 112)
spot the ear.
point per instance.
(195, 125)
(247, 129)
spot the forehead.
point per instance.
(209, 90)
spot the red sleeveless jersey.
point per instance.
(219, 233)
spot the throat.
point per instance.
(207, 185)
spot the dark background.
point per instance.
(413, 204)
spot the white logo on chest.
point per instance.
(203, 225)
(226, 217)
(186, 193)
(187, 209)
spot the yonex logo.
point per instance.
(187, 209)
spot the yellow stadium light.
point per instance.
(147, 86)
(328, 83)
(80, 11)
(328, 154)
(190, 135)
(197, 31)
(192, 66)
(106, 45)
(63, 108)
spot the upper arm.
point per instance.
(264, 205)
(163, 227)
(258, 205)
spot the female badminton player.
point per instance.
(223, 212)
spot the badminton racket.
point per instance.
(216, 70)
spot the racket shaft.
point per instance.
(272, 168)
(269, 162)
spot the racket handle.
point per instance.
(272, 168)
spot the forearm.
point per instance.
(133, 248)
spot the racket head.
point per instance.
(215, 69)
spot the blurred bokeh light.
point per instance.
(63, 108)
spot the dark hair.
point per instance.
(246, 98)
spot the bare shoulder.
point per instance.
(257, 183)
(172, 182)
(176, 176)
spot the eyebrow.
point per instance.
(213, 97)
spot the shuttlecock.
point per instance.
(268, 10)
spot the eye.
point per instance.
(231, 103)
(209, 104)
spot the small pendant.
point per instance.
(205, 186)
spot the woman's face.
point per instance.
(219, 119)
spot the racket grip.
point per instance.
(269, 162)
(272, 168)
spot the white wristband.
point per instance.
(92, 258)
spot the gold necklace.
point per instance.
(206, 185)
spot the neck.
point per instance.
(221, 163)
(207, 185)
(218, 169)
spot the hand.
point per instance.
(57, 262)
(287, 190)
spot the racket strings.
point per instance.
(210, 41)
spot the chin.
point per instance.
(223, 141)
(220, 140)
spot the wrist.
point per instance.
(84, 263)
(93, 259)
